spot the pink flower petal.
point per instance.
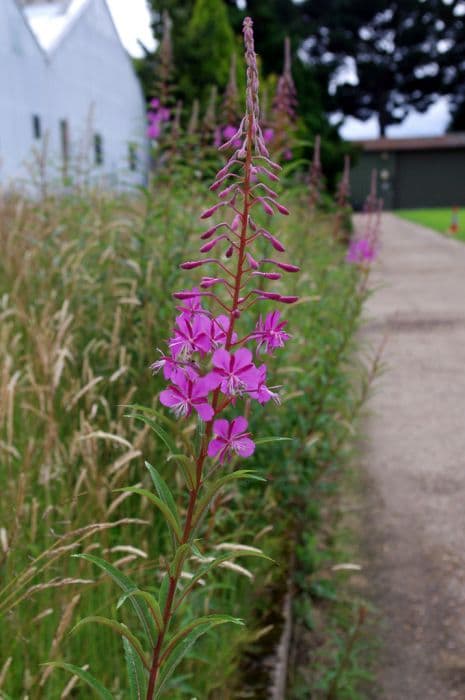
(221, 428)
(244, 446)
(205, 411)
(214, 447)
(238, 425)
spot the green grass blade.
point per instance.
(85, 676)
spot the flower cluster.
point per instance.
(212, 364)
(156, 116)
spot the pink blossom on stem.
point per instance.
(269, 332)
(230, 437)
(187, 394)
(234, 373)
(189, 337)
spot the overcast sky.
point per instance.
(132, 20)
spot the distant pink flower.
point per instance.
(234, 373)
(187, 394)
(361, 251)
(230, 437)
(269, 333)
(229, 131)
(153, 130)
(268, 135)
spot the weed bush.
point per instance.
(85, 287)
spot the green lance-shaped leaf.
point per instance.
(151, 602)
(180, 644)
(85, 676)
(137, 675)
(218, 561)
(117, 627)
(163, 592)
(187, 466)
(164, 494)
(157, 429)
(171, 519)
(153, 418)
(264, 440)
(217, 485)
(124, 582)
(179, 558)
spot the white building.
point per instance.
(71, 107)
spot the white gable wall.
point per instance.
(22, 91)
(86, 80)
(98, 93)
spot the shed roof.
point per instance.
(456, 140)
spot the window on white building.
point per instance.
(98, 149)
(36, 126)
(64, 143)
(132, 156)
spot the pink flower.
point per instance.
(262, 393)
(191, 304)
(268, 135)
(190, 336)
(230, 437)
(153, 130)
(361, 251)
(188, 393)
(269, 333)
(219, 331)
(229, 131)
(234, 373)
(171, 367)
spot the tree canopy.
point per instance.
(380, 58)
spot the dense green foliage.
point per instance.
(406, 53)
(85, 285)
(209, 43)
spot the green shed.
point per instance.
(412, 172)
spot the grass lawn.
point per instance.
(437, 219)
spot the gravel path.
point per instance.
(414, 461)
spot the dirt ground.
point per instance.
(413, 516)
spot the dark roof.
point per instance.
(456, 140)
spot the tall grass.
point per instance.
(85, 285)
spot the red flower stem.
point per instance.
(193, 495)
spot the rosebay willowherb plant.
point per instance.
(214, 379)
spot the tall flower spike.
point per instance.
(316, 175)
(209, 119)
(343, 190)
(285, 106)
(342, 200)
(230, 107)
(210, 368)
(364, 246)
(166, 60)
(193, 125)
